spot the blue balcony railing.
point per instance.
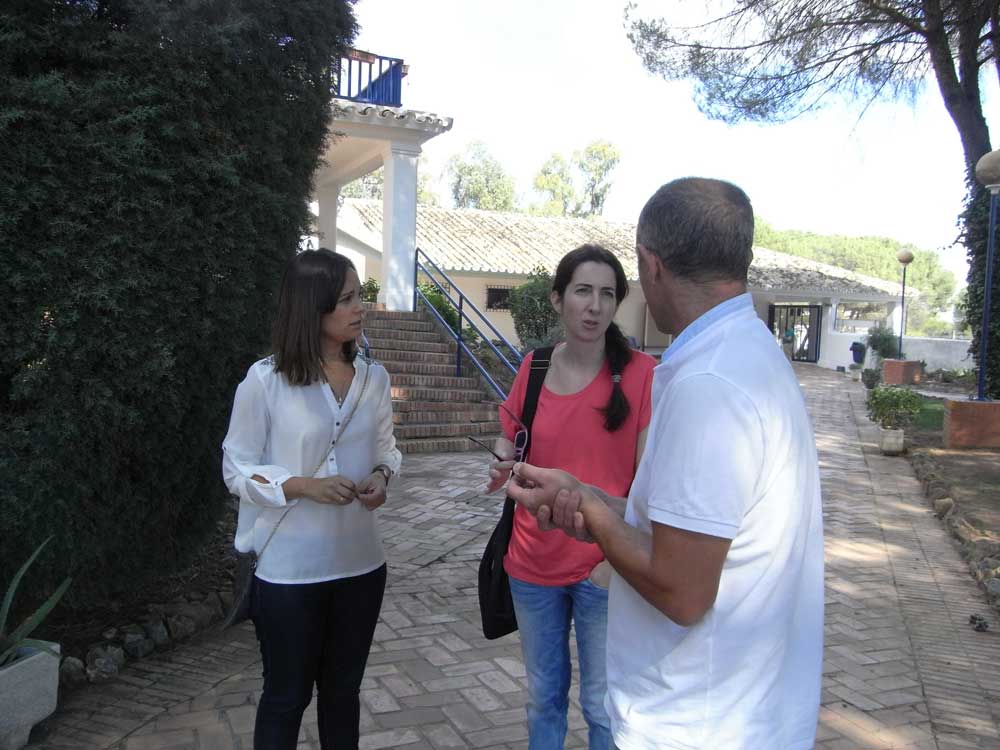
(371, 79)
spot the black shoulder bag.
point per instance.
(495, 602)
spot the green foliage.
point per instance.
(370, 290)
(441, 303)
(11, 640)
(893, 407)
(480, 181)
(580, 188)
(372, 185)
(366, 187)
(975, 225)
(535, 320)
(872, 256)
(158, 160)
(883, 342)
(871, 377)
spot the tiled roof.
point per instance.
(349, 111)
(493, 242)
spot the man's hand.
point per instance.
(371, 491)
(534, 488)
(565, 515)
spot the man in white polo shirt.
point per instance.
(715, 617)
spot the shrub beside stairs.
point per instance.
(432, 409)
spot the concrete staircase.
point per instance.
(432, 409)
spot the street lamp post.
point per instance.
(905, 257)
(988, 174)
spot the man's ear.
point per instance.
(651, 263)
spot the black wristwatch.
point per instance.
(385, 471)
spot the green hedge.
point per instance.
(975, 229)
(157, 161)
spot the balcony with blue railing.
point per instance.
(370, 79)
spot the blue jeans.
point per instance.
(314, 634)
(543, 617)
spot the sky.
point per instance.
(530, 78)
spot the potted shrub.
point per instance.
(870, 377)
(892, 408)
(29, 668)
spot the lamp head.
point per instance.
(905, 257)
(988, 170)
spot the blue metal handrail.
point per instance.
(460, 305)
(370, 79)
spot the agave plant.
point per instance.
(11, 641)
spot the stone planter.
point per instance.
(890, 441)
(28, 692)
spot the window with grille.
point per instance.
(498, 297)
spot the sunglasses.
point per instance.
(520, 437)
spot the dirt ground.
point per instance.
(973, 475)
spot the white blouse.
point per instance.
(278, 431)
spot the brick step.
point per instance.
(460, 416)
(396, 324)
(420, 368)
(438, 347)
(444, 445)
(485, 431)
(444, 395)
(434, 381)
(377, 335)
(419, 316)
(387, 356)
(472, 411)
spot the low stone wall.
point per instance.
(939, 354)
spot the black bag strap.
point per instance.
(540, 359)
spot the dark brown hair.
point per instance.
(616, 347)
(702, 229)
(310, 289)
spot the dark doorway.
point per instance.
(797, 328)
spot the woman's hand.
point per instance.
(503, 449)
(499, 474)
(335, 490)
(371, 491)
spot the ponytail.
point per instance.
(618, 354)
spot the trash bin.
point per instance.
(858, 350)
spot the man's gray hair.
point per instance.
(701, 229)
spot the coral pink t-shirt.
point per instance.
(568, 433)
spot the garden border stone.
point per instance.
(979, 547)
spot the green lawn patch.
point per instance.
(931, 415)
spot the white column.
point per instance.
(399, 225)
(895, 316)
(831, 316)
(327, 197)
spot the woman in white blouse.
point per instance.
(309, 452)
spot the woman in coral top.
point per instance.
(591, 421)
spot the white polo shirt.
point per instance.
(730, 453)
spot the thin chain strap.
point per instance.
(343, 426)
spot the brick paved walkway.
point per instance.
(903, 669)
